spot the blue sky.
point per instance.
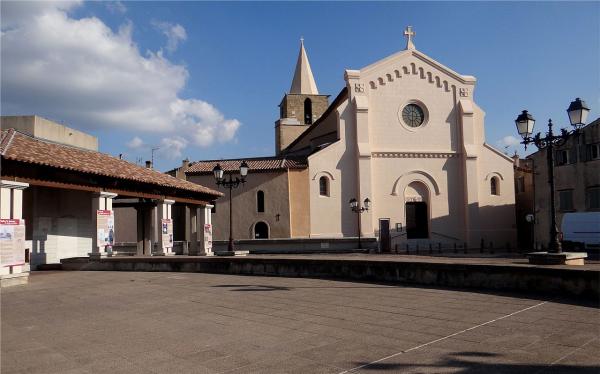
(203, 80)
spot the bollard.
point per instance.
(481, 246)
(407, 248)
(430, 249)
(396, 248)
(465, 247)
(440, 247)
(455, 249)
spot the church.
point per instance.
(403, 138)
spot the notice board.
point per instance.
(167, 233)
(12, 242)
(105, 227)
(207, 238)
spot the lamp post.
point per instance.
(359, 210)
(230, 183)
(525, 122)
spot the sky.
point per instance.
(202, 80)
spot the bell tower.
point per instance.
(301, 107)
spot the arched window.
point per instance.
(494, 188)
(308, 111)
(260, 202)
(261, 230)
(324, 186)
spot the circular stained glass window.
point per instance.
(413, 115)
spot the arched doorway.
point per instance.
(416, 198)
(261, 230)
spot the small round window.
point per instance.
(413, 115)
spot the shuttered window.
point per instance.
(565, 199)
(592, 198)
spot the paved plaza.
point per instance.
(118, 322)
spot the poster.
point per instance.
(167, 233)
(208, 238)
(12, 242)
(105, 226)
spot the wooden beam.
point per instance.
(71, 186)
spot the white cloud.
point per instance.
(20, 12)
(136, 143)
(82, 72)
(509, 141)
(203, 122)
(175, 33)
(172, 147)
(116, 7)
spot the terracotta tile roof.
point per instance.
(24, 148)
(255, 164)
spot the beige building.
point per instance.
(404, 132)
(576, 178)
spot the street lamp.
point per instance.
(359, 210)
(231, 184)
(525, 122)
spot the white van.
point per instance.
(581, 230)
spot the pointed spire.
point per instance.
(304, 82)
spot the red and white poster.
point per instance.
(12, 242)
(105, 227)
(208, 238)
(167, 233)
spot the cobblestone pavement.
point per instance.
(118, 322)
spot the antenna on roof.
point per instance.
(152, 153)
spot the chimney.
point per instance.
(149, 164)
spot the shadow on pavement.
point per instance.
(458, 365)
(364, 284)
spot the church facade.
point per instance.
(405, 133)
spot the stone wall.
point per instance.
(275, 186)
(59, 223)
(553, 282)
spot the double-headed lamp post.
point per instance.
(359, 210)
(231, 183)
(525, 122)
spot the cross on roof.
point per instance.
(409, 33)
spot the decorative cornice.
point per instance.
(412, 69)
(414, 154)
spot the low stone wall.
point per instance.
(130, 248)
(299, 245)
(539, 280)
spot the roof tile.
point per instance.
(24, 148)
(254, 164)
